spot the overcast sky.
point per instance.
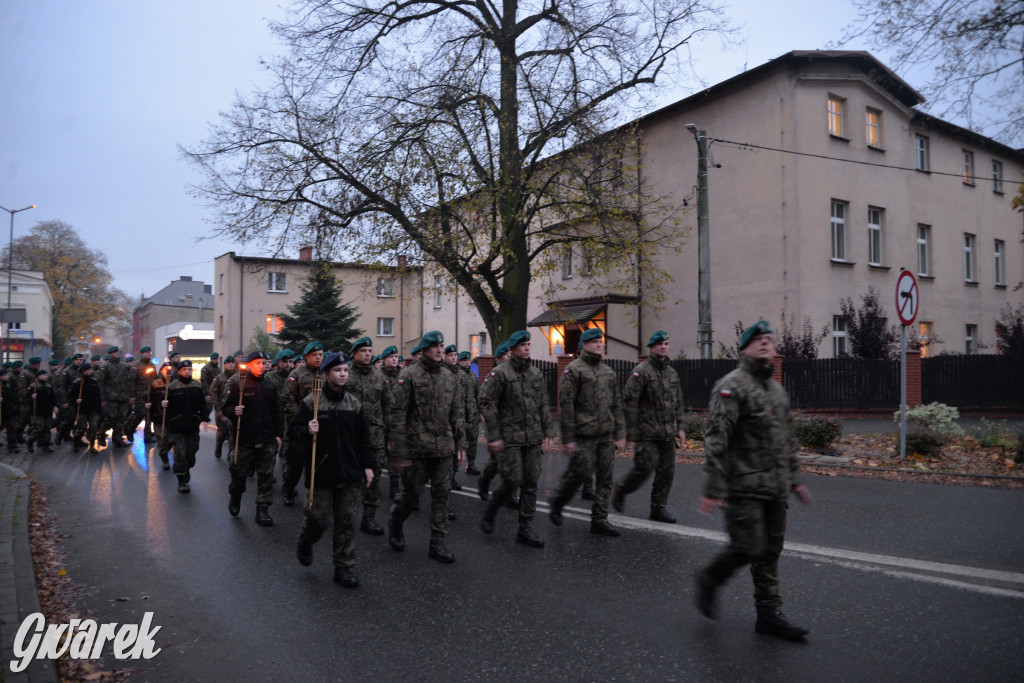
(96, 96)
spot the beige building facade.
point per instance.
(30, 297)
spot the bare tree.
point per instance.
(465, 133)
(975, 49)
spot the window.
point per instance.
(967, 170)
(274, 324)
(970, 263)
(838, 231)
(921, 155)
(277, 282)
(222, 283)
(386, 286)
(567, 263)
(874, 236)
(999, 262)
(997, 176)
(437, 291)
(836, 111)
(924, 337)
(385, 327)
(587, 264)
(970, 339)
(873, 123)
(838, 336)
(924, 251)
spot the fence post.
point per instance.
(777, 371)
(563, 362)
(484, 364)
(913, 378)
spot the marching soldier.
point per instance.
(143, 375)
(43, 403)
(653, 401)
(300, 385)
(68, 409)
(491, 468)
(185, 404)
(25, 381)
(84, 394)
(451, 361)
(593, 424)
(59, 381)
(116, 383)
(218, 394)
(368, 384)
(390, 366)
(206, 377)
(472, 414)
(8, 408)
(279, 375)
(750, 460)
(426, 428)
(518, 422)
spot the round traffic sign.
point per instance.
(906, 297)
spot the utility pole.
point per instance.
(703, 245)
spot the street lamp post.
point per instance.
(10, 273)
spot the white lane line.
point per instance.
(903, 567)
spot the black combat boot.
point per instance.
(456, 486)
(396, 537)
(774, 623)
(165, 461)
(263, 516)
(58, 439)
(439, 552)
(588, 490)
(602, 527)
(487, 523)
(289, 497)
(619, 500)
(472, 471)
(345, 577)
(513, 502)
(183, 486)
(304, 551)
(129, 436)
(392, 486)
(662, 515)
(705, 596)
(235, 504)
(482, 488)
(527, 536)
(555, 513)
(218, 452)
(370, 526)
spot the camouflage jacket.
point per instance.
(300, 385)
(24, 386)
(590, 400)
(207, 375)
(470, 395)
(368, 384)
(427, 412)
(750, 450)
(219, 388)
(116, 382)
(653, 402)
(514, 404)
(142, 378)
(59, 380)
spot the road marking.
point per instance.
(1007, 584)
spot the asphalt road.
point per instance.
(897, 582)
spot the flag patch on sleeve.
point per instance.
(725, 393)
(401, 381)
(636, 374)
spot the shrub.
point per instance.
(817, 432)
(994, 435)
(694, 426)
(936, 417)
(926, 442)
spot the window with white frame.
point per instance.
(567, 262)
(999, 264)
(437, 291)
(277, 282)
(385, 327)
(873, 126)
(274, 324)
(924, 249)
(874, 236)
(921, 153)
(836, 114)
(386, 286)
(997, 176)
(838, 336)
(970, 339)
(970, 258)
(967, 166)
(838, 230)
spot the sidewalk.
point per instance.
(19, 596)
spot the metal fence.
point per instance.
(549, 369)
(976, 381)
(698, 377)
(842, 383)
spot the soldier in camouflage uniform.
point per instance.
(43, 400)
(218, 393)
(116, 385)
(750, 462)
(491, 468)
(206, 377)
(300, 385)
(25, 379)
(59, 380)
(390, 368)
(426, 427)
(143, 374)
(368, 384)
(67, 420)
(472, 414)
(653, 401)
(84, 394)
(515, 408)
(451, 363)
(344, 460)
(592, 423)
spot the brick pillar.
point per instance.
(563, 362)
(777, 372)
(913, 378)
(484, 364)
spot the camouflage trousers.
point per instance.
(292, 467)
(185, 445)
(40, 430)
(592, 456)
(439, 472)
(115, 414)
(225, 430)
(88, 424)
(519, 466)
(371, 495)
(472, 436)
(757, 530)
(659, 456)
(261, 456)
(340, 504)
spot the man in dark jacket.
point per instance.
(750, 462)
(186, 408)
(344, 461)
(261, 426)
(84, 396)
(43, 403)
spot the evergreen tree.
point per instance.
(869, 331)
(320, 314)
(1010, 331)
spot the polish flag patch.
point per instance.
(492, 373)
(636, 374)
(401, 381)
(725, 393)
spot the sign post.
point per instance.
(906, 309)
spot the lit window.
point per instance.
(970, 260)
(385, 327)
(997, 176)
(838, 336)
(873, 121)
(277, 282)
(968, 167)
(924, 254)
(970, 339)
(386, 286)
(274, 324)
(924, 337)
(874, 236)
(999, 252)
(921, 153)
(838, 231)
(836, 110)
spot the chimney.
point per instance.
(402, 260)
(306, 253)
(185, 278)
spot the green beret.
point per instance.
(388, 351)
(284, 354)
(95, 356)
(54, 361)
(172, 354)
(373, 361)
(113, 349)
(360, 343)
(35, 360)
(239, 353)
(229, 359)
(311, 347)
(428, 340)
(17, 364)
(760, 327)
(657, 338)
(451, 348)
(77, 355)
(502, 349)
(518, 338)
(591, 334)
(42, 371)
(214, 356)
(145, 349)
(68, 360)
(7, 365)
(464, 355)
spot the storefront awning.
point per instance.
(557, 315)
